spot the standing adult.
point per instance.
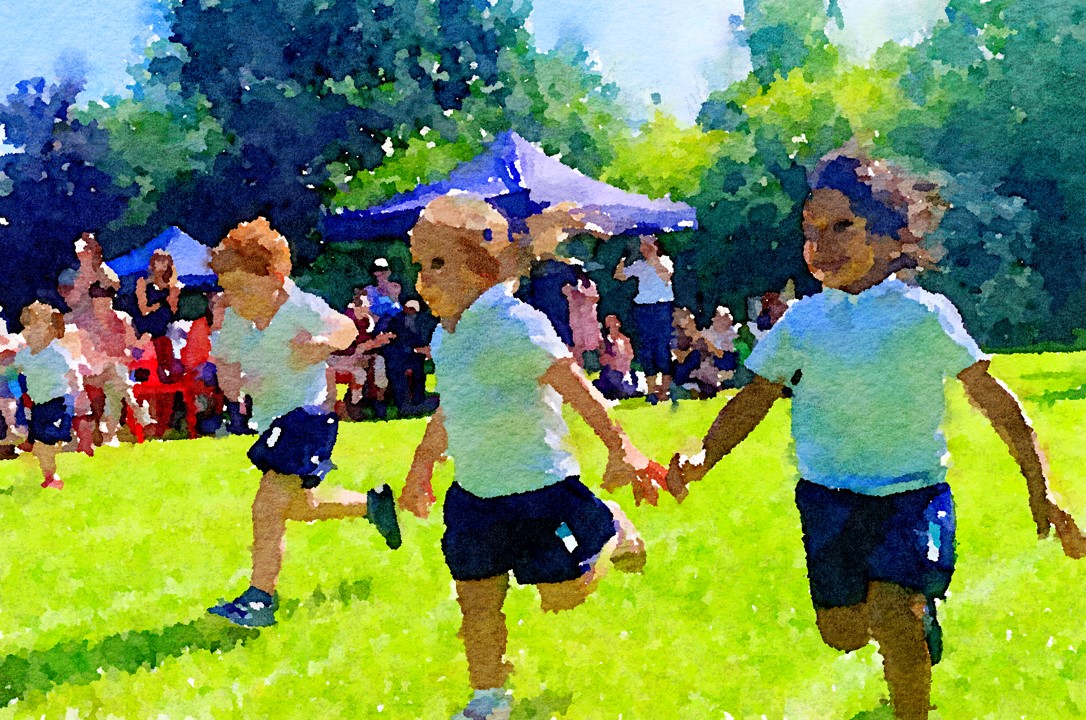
(584, 322)
(653, 306)
(384, 294)
(157, 294)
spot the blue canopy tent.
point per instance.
(520, 180)
(190, 257)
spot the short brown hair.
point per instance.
(253, 247)
(39, 311)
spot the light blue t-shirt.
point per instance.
(505, 428)
(49, 374)
(867, 373)
(276, 383)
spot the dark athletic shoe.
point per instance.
(253, 608)
(381, 511)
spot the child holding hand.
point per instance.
(517, 505)
(865, 362)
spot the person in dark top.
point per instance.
(157, 294)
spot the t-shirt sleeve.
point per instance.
(226, 341)
(776, 356)
(955, 347)
(540, 345)
(636, 269)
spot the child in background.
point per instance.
(502, 374)
(616, 360)
(865, 362)
(49, 379)
(10, 343)
(274, 345)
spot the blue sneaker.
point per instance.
(381, 511)
(253, 608)
(494, 704)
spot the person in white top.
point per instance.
(274, 345)
(653, 307)
(517, 505)
(48, 376)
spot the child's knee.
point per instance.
(897, 613)
(556, 597)
(846, 628)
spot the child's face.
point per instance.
(254, 297)
(452, 265)
(40, 332)
(838, 251)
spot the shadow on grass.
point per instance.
(881, 712)
(77, 662)
(544, 706)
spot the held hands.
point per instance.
(683, 471)
(626, 465)
(308, 349)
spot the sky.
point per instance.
(681, 49)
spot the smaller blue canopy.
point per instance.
(190, 257)
(520, 180)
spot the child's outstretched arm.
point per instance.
(626, 465)
(1002, 409)
(418, 492)
(736, 420)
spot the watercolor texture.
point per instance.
(541, 359)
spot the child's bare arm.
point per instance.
(625, 464)
(736, 420)
(1002, 409)
(418, 492)
(312, 349)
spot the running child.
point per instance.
(517, 505)
(865, 362)
(274, 345)
(49, 378)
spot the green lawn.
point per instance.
(103, 588)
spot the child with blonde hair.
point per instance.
(517, 505)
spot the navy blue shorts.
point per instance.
(906, 538)
(50, 423)
(653, 348)
(298, 443)
(550, 535)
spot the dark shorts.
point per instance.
(653, 348)
(550, 535)
(851, 540)
(50, 422)
(298, 443)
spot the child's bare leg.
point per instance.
(326, 504)
(46, 455)
(845, 628)
(897, 625)
(273, 500)
(483, 630)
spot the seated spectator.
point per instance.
(685, 354)
(360, 364)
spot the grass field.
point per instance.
(103, 588)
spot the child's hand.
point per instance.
(629, 466)
(308, 349)
(417, 498)
(683, 471)
(1067, 530)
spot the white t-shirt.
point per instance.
(505, 428)
(651, 288)
(49, 374)
(270, 375)
(868, 400)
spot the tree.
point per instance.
(52, 189)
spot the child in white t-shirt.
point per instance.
(517, 505)
(273, 346)
(47, 374)
(865, 362)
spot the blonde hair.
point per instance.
(477, 228)
(40, 312)
(501, 252)
(253, 247)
